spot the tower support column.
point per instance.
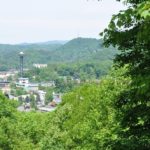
(21, 54)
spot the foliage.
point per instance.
(18, 91)
(6, 108)
(110, 115)
(49, 95)
(86, 119)
(129, 31)
(33, 102)
(19, 130)
(83, 71)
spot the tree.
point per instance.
(20, 100)
(129, 31)
(86, 118)
(33, 102)
(7, 107)
(38, 98)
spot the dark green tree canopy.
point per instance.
(129, 31)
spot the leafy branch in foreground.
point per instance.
(129, 31)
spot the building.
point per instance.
(22, 82)
(47, 84)
(32, 87)
(46, 109)
(5, 74)
(42, 97)
(40, 65)
(5, 86)
(56, 98)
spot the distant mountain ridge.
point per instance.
(45, 43)
(79, 49)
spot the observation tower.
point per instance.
(21, 55)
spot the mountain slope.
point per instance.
(79, 49)
(82, 49)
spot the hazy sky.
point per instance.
(44, 20)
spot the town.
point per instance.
(32, 98)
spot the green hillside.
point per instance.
(33, 53)
(79, 49)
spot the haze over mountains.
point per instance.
(45, 43)
(79, 49)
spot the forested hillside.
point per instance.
(34, 53)
(80, 49)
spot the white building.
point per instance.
(23, 82)
(42, 96)
(47, 84)
(5, 86)
(32, 87)
(40, 65)
(5, 74)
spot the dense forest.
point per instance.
(76, 50)
(111, 115)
